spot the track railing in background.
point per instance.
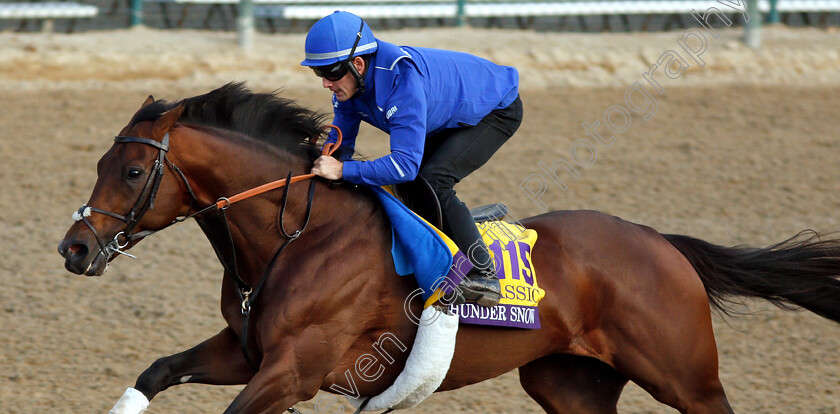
(46, 12)
(461, 11)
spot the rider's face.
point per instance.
(343, 88)
(346, 87)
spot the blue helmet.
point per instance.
(331, 39)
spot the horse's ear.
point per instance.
(167, 119)
(150, 100)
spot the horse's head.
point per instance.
(132, 197)
(139, 190)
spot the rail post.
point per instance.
(461, 17)
(773, 16)
(245, 24)
(136, 13)
(752, 27)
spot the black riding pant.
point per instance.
(451, 155)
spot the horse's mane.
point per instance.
(264, 116)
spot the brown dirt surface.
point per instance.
(741, 150)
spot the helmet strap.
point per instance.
(351, 66)
(359, 79)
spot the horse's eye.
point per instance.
(134, 173)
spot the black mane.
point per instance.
(264, 116)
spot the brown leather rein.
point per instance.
(328, 149)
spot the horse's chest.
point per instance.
(232, 313)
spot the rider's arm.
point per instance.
(349, 125)
(406, 114)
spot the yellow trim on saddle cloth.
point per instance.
(517, 276)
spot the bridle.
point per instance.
(144, 203)
(226, 252)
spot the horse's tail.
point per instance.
(800, 271)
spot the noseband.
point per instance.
(144, 203)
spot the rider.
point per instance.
(446, 112)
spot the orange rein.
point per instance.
(328, 149)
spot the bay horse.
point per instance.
(623, 303)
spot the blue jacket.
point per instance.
(413, 93)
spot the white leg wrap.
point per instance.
(132, 402)
(426, 366)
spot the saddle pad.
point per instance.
(438, 265)
(420, 249)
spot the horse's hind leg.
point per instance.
(673, 359)
(572, 384)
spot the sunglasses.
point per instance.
(333, 72)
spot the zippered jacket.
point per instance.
(413, 93)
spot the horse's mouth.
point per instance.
(97, 266)
(79, 258)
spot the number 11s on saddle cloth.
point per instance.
(510, 248)
(622, 300)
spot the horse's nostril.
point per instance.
(75, 255)
(78, 250)
(75, 251)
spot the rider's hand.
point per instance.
(328, 167)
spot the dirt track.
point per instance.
(742, 151)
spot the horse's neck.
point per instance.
(227, 162)
(220, 167)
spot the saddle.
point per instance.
(420, 198)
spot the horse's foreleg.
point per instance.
(217, 361)
(277, 386)
(291, 371)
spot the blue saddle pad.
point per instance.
(416, 246)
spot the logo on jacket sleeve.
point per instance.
(391, 111)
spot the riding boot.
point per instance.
(482, 287)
